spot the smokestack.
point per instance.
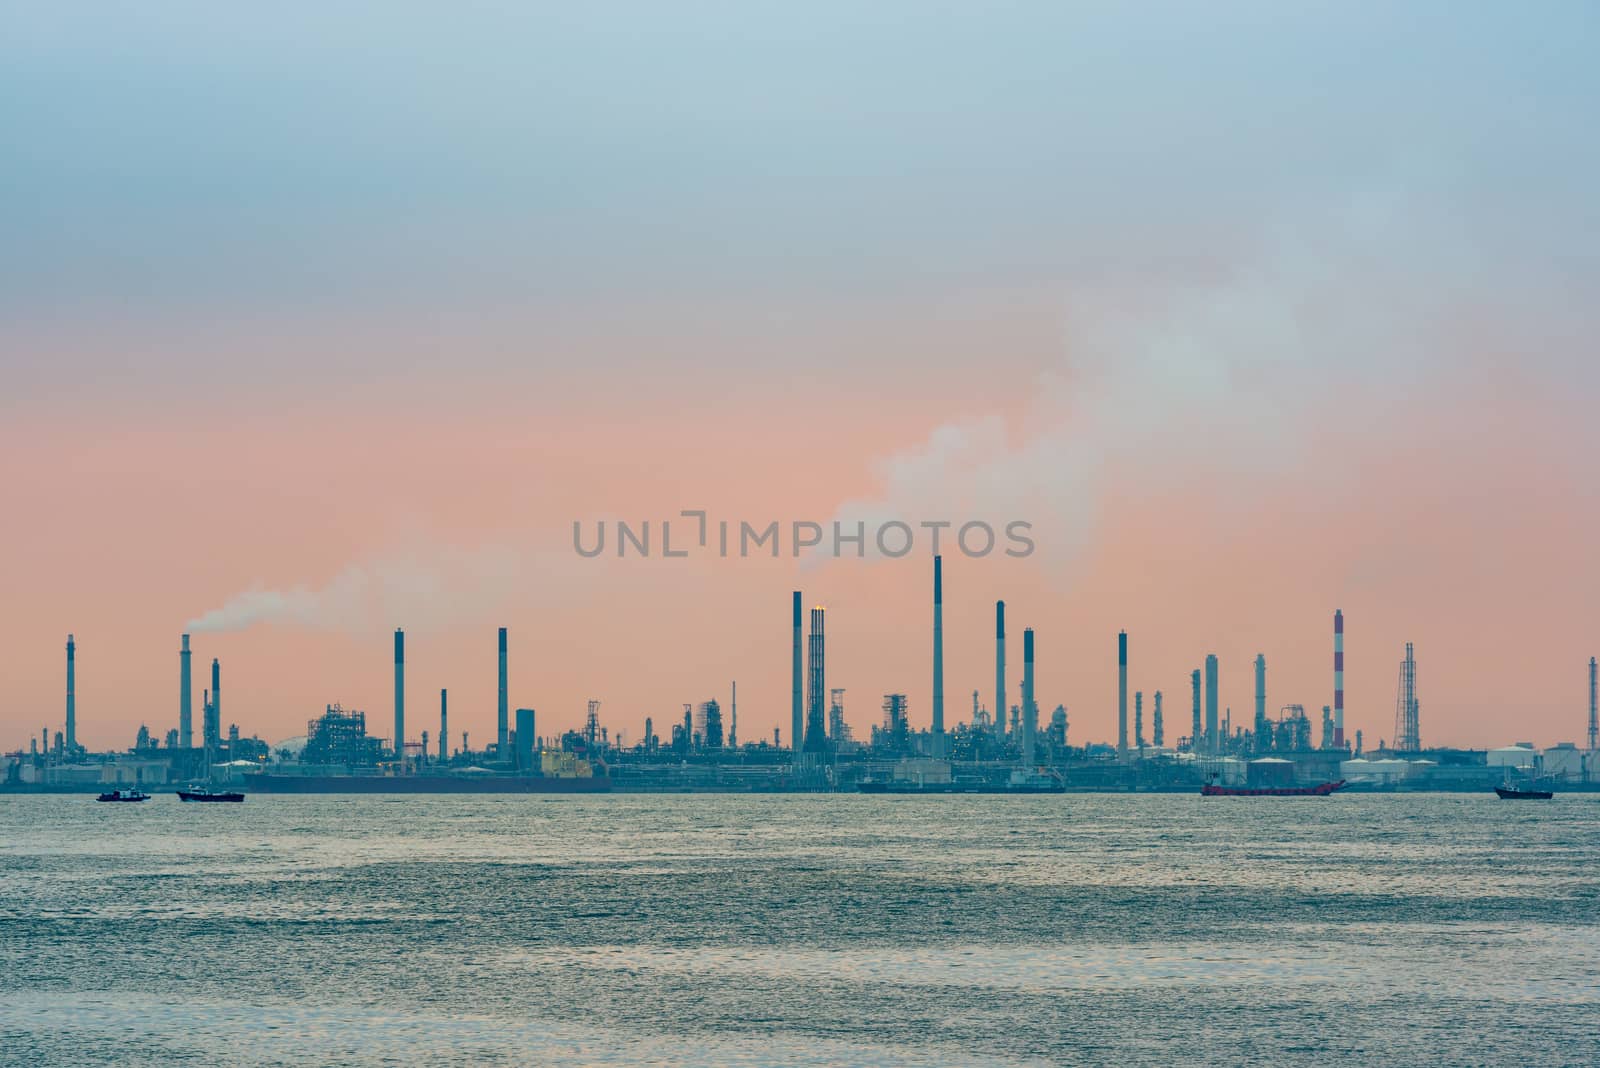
(1338, 679)
(816, 720)
(1030, 716)
(733, 712)
(503, 741)
(185, 699)
(72, 697)
(797, 724)
(1263, 732)
(1213, 739)
(1195, 737)
(1000, 669)
(1594, 724)
(938, 657)
(444, 726)
(1160, 733)
(1122, 693)
(212, 728)
(399, 694)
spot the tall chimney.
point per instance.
(938, 657)
(1594, 724)
(213, 717)
(1030, 714)
(1213, 738)
(733, 712)
(1122, 693)
(1159, 729)
(1338, 679)
(816, 719)
(1000, 669)
(797, 722)
(72, 697)
(185, 699)
(1263, 731)
(444, 726)
(502, 738)
(1196, 739)
(399, 694)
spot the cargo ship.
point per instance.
(210, 795)
(124, 795)
(1322, 789)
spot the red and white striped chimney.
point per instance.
(1338, 679)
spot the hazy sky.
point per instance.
(1253, 310)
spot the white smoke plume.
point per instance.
(1217, 382)
(423, 589)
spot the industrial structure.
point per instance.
(938, 656)
(1407, 732)
(1195, 736)
(399, 694)
(185, 698)
(1594, 724)
(503, 704)
(1000, 670)
(1338, 679)
(816, 736)
(1122, 693)
(797, 726)
(72, 694)
(1030, 711)
(821, 754)
(1213, 744)
(1263, 732)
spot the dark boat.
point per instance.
(1511, 793)
(1322, 789)
(124, 795)
(208, 795)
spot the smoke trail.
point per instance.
(1213, 385)
(424, 589)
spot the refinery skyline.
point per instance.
(1213, 703)
(1251, 315)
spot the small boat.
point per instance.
(1322, 789)
(124, 795)
(203, 794)
(1511, 793)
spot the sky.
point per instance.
(322, 320)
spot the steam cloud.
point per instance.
(425, 589)
(1215, 382)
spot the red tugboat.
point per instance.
(1322, 789)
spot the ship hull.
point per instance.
(1320, 790)
(185, 795)
(1507, 794)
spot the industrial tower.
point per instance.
(797, 725)
(1594, 726)
(1407, 735)
(938, 656)
(816, 725)
(1122, 694)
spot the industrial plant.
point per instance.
(1000, 749)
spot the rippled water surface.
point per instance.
(731, 930)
